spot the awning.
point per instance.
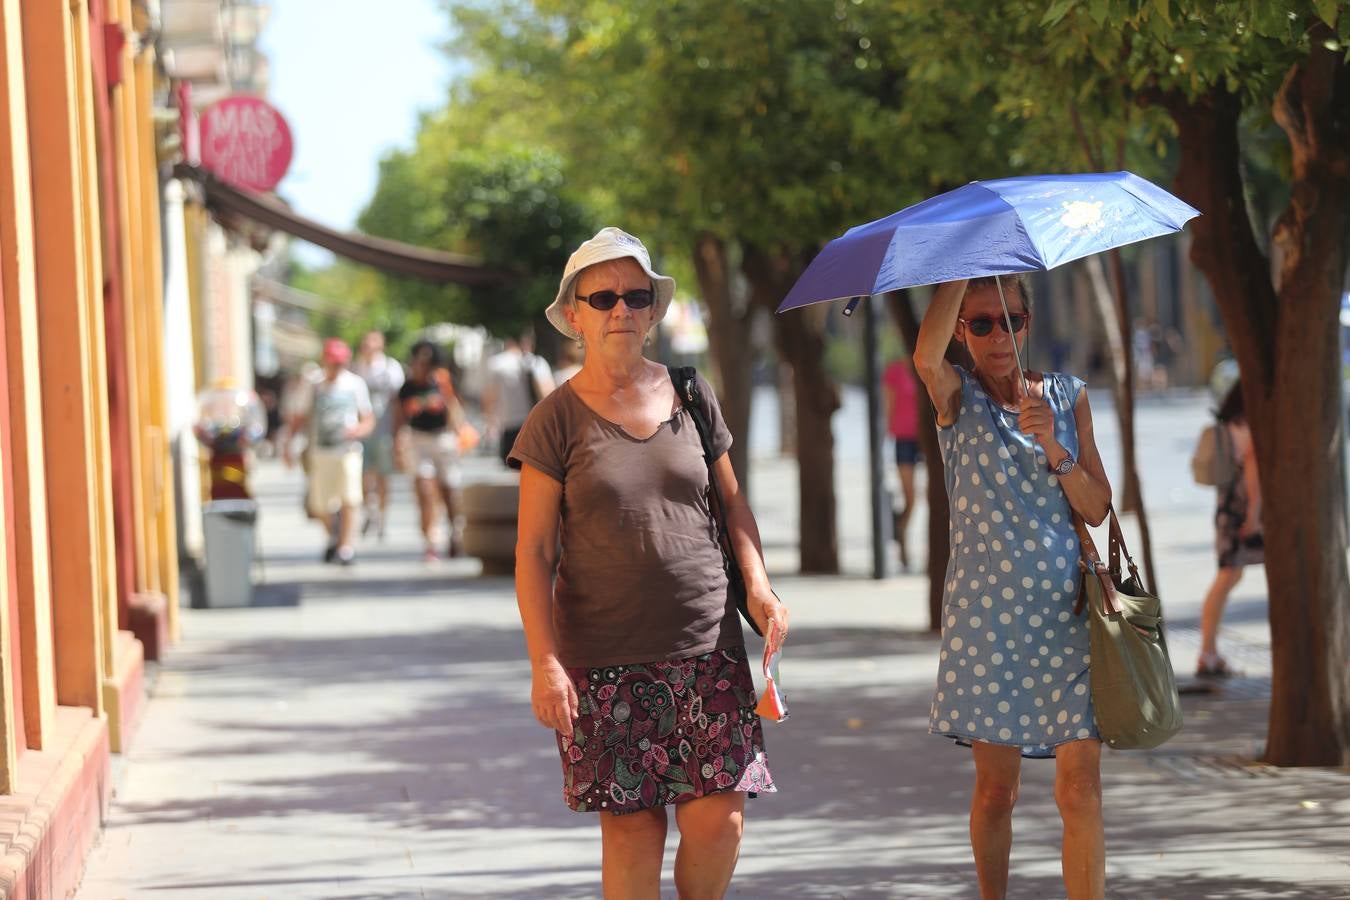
(389, 256)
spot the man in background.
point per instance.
(516, 381)
(383, 377)
(335, 419)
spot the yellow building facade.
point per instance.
(88, 549)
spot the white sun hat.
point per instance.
(608, 243)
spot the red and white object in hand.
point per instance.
(771, 704)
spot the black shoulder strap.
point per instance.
(691, 398)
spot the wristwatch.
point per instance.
(1065, 465)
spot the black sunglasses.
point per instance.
(984, 325)
(606, 300)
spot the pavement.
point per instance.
(366, 733)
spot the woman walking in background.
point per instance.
(1237, 530)
(902, 394)
(1021, 463)
(427, 405)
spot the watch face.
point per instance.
(1065, 466)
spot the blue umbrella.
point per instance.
(993, 227)
(996, 227)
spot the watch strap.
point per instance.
(1064, 466)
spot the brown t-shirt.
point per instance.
(640, 576)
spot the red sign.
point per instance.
(245, 142)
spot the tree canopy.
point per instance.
(742, 135)
(509, 206)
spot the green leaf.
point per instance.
(1057, 11)
(1328, 10)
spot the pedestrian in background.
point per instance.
(335, 418)
(383, 377)
(902, 399)
(1013, 677)
(570, 355)
(638, 659)
(516, 381)
(430, 410)
(1238, 537)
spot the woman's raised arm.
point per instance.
(930, 351)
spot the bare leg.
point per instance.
(426, 507)
(451, 514)
(346, 528)
(1215, 600)
(998, 771)
(632, 847)
(370, 488)
(377, 501)
(1078, 793)
(710, 842)
(382, 500)
(902, 523)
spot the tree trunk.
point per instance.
(800, 338)
(1122, 350)
(787, 410)
(1133, 495)
(901, 306)
(1311, 636)
(1115, 324)
(728, 338)
(1287, 351)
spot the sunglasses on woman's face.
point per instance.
(606, 300)
(983, 326)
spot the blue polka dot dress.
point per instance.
(1014, 662)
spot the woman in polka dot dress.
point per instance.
(1013, 676)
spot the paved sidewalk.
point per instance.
(366, 733)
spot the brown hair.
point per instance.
(1019, 281)
(1232, 408)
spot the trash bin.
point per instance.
(228, 526)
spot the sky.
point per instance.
(350, 76)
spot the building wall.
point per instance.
(89, 511)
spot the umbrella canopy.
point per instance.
(993, 227)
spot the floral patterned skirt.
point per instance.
(653, 734)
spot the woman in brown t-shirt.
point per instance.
(637, 654)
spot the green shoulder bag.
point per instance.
(1134, 690)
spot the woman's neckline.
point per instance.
(575, 395)
(1033, 378)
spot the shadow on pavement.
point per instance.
(415, 717)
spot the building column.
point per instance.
(107, 69)
(28, 502)
(180, 357)
(124, 98)
(166, 527)
(63, 220)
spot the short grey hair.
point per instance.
(1020, 281)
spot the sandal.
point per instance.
(1215, 667)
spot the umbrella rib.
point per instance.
(1012, 336)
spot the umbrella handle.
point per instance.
(1007, 319)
